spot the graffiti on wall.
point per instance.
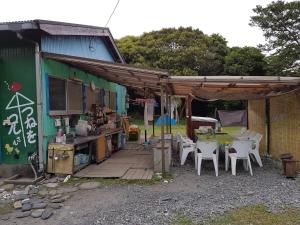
(20, 120)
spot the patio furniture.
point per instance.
(242, 149)
(255, 148)
(207, 151)
(186, 146)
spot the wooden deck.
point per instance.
(132, 163)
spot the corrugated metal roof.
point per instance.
(62, 28)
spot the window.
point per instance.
(74, 93)
(112, 102)
(106, 98)
(57, 96)
(65, 96)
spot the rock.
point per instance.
(51, 185)
(4, 217)
(41, 205)
(26, 201)
(55, 196)
(23, 214)
(8, 187)
(47, 214)
(20, 197)
(68, 189)
(89, 185)
(1, 183)
(15, 192)
(1, 190)
(33, 191)
(43, 193)
(18, 205)
(37, 213)
(26, 207)
(27, 188)
(55, 205)
(52, 192)
(58, 200)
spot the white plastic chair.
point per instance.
(186, 146)
(207, 151)
(255, 151)
(242, 149)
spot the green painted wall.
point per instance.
(61, 70)
(17, 102)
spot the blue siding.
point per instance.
(80, 46)
(121, 99)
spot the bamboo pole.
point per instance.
(170, 114)
(162, 130)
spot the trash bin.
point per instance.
(291, 168)
(285, 156)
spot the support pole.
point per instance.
(170, 115)
(153, 127)
(167, 112)
(162, 130)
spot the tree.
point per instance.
(182, 51)
(280, 22)
(245, 61)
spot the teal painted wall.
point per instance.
(18, 102)
(61, 70)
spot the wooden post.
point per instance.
(189, 122)
(162, 130)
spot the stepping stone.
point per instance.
(26, 207)
(8, 187)
(26, 201)
(68, 189)
(52, 192)
(18, 205)
(43, 193)
(51, 185)
(55, 205)
(41, 205)
(89, 185)
(20, 197)
(37, 213)
(23, 214)
(4, 217)
(47, 214)
(55, 196)
(58, 200)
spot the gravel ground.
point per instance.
(198, 197)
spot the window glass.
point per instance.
(74, 97)
(57, 94)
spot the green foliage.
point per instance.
(245, 61)
(182, 51)
(280, 22)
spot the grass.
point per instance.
(257, 215)
(254, 215)
(178, 128)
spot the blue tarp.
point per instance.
(158, 121)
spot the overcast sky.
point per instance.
(229, 18)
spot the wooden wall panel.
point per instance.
(257, 121)
(285, 125)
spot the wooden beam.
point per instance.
(162, 130)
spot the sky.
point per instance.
(230, 18)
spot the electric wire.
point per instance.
(112, 13)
